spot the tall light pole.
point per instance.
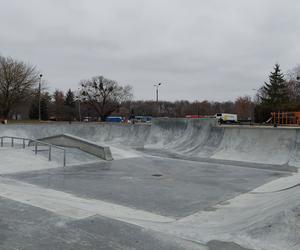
(158, 107)
(40, 83)
(157, 85)
(79, 108)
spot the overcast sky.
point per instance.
(199, 49)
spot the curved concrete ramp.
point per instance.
(197, 139)
(67, 140)
(132, 135)
(204, 138)
(188, 137)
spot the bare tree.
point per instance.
(244, 107)
(293, 88)
(293, 84)
(16, 80)
(104, 95)
(293, 74)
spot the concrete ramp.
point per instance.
(204, 138)
(129, 135)
(188, 137)
(197, 139)
(67, 140)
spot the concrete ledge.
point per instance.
(67, 140)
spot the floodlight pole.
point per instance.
(157, 85)
(79, 103)
(39, 96)
(79, 110)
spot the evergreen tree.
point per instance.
(70, 106)
(275, 92)
(45, 101)
(70, 100)
(34, 107)
(59, 105)
(34, 110)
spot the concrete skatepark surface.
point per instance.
(26, 227)
(193, 138)
(182, 189)
(175, 184)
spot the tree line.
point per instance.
(99, 97)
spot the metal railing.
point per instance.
(36, 143)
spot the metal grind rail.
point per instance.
(36, 144)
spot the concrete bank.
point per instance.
(201, 138)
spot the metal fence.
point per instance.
(36, 143)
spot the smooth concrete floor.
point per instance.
(177, 189)
(23, 227)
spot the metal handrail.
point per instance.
(36, 144)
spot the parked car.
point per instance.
(114, 119)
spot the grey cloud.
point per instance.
(200, 49)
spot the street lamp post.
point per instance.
(79, 103)
(79, 110)
(157, 85)
(40, 83)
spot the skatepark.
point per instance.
(172, 184)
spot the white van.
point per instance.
(226, 118)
